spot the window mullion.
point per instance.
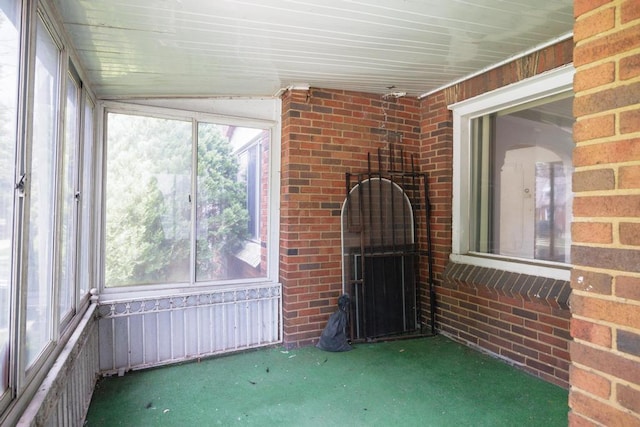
(40, 316)
(193, 201)
(481, 185)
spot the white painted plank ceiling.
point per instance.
(154, 48)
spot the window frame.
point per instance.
(73, 148)
(544, 85)
(254, 146)
(87, 177)
(7, 396)
(25, 378)
(29, 370)
(273, 221)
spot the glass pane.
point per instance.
(42, 192)
(250, 175)
(68, 174)
(232, 202)
(551, 217)
(86, 244)
(521, 173)
(148, 208)
(9, 46)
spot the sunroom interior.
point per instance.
(114, 259)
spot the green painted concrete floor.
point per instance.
(420, 382)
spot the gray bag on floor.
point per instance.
(334, 336)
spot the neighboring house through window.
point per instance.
(183, 198)
(247, 144)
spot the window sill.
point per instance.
(549, 270)
(124, 293)
(524, 283)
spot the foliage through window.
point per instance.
(43, 107)
(170, 220)
(9, 46)
(43, 192)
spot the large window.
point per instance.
(42, 193)
(69, 199)
(183, 204)
(521, 180)
(512, 177)
(41, 184)
(9, 53)
(147, 200)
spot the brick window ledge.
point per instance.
(552, 292)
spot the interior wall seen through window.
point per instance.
(521, 181)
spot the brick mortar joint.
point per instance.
(614, 166)
(604, 88)
(604, 140)
(595, 370)
(593, 11)
(590, 269)
(618, 25)
(616, 192)
(599, 61)
(616, 82)
(611, 402)
(615, 244)
(608, 298)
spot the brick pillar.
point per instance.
(605, 324)
(325, 133)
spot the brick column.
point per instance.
(325, 133)
(605, 324)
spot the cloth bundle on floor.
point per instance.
(334, 336)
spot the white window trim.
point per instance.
(550, 83)
(273, 216)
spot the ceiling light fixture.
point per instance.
(394, 95)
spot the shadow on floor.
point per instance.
(420, 382)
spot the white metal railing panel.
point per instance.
(147, 332)
(64, 396)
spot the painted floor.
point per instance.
(420, 382)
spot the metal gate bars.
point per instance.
(386, 249)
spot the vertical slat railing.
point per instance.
(237, 318)
(63, 398)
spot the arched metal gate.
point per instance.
(384, 215)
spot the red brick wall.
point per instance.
(436, 159)
(605, 324)
(526, 331)
(326, 133)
